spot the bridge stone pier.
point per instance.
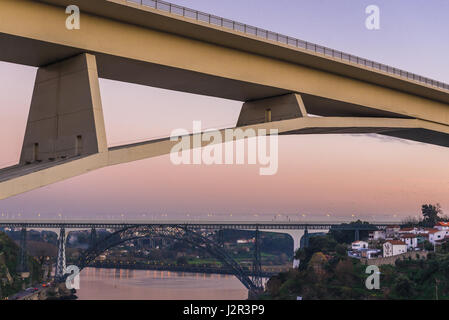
(66, 116)
(278, 108)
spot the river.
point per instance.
(124, 284)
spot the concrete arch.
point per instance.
(296, 236)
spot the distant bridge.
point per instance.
(190, 232)
(204, 225)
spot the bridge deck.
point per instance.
(35, 50)
(247, 225)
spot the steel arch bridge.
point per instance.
(136, 232)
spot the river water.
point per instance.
(122, 284)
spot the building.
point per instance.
(407, 230)
(357, 245)
(411, 240)
(378, 235)
(369, 253)
(394, 247)
(436, 235)
(245, 241)
(442, 226)
(392, 232)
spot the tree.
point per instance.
(428, 245)
(430, 213)
(403, 287)
(182, 261)
(410, 222)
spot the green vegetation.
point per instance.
(431, 215)
(10, 280)
(327, 273)
(347, 236)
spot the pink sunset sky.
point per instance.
(339, 175)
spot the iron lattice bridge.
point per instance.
(196, 234)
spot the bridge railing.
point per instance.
(283, 39)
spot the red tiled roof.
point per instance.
(406, 229)
(443, 224)
(408, 235)
(396, 242)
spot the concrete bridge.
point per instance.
(281, 82)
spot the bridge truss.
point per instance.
(180, 233)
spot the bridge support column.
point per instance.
(278, 108)
(66, 115)
(305, 243)
(257, 263)
(357, 235)
(23, 262)
(221, 238)
(60, 259)
(93, 238)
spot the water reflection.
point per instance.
(125, 284)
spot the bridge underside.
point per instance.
(65, 134)
(280, 86)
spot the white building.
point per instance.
(357, 245)
(436, 235)
(392, 231)
(378, 235)
(245, 241)
(369, 253)
(394, 247)
(407, 230)
(411, 240)
(442, 226)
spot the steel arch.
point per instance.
(172, 232)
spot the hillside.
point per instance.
(10, 281)
(327, 273)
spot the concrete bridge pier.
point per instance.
(356, 235)
(289, 106)
(66, 115)
(297, 235)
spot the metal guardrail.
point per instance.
(283, 39)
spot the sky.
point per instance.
(345, 176)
